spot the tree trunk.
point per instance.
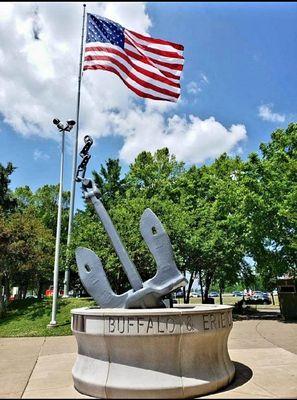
(121, 283)
(20, 293)
(273, 302)
(205, 300)
(25, 289)
(221, 297)
(190, 284)
(184, 289)
(221, 287)
(208, 280)
(117, 285)
(2, 304)
(6, 288)
(201, 285)
(39, 290)
(184, 294)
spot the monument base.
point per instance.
(173, 353)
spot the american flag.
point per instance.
(150, 67)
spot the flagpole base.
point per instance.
(52, 324)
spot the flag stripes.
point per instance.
(92, 54)
(150, 67)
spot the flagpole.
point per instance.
(74, 162)
(53, 322)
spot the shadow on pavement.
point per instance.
(257, 314)
(242, 375)
(288, 321)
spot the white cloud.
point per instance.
(38, 78)
(6, 10)
(190, 139)
(193, 88)
(204, 78)
(38, 81)
(40, 155)
(265, 112)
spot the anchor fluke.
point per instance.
(94, 279)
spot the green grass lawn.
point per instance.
(30, 317)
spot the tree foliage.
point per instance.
(270, 181)
(43, 204)
(27, 235)
(109, 182)
(26, 253)
(7, 202)
(218, 216)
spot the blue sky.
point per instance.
(240, 71)
(247, 51)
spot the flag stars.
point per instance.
(102, 30)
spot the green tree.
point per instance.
(270, 206)
(200, 209)
(27, 250)
(154, 174)
(43, 204)
(109, 182)
(212, 195)
(30, 254)
(216, 215)
(7, 203)
(4, 240)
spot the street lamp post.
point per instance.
(62, 129)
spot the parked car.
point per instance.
(258, 299)
(237, 293)
(195, 293)
(213, 294)
(257, 293)
(31, 296)
(179, 293)
(50, 291)
(265, 294)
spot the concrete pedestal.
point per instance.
(152, 353)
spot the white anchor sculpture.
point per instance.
(146, 294)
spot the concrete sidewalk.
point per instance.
(264, 353)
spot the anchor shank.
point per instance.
(130, 269)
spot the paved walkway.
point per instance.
(264, 353)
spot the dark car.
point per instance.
(265, 294)
(179, 294)
(237, 293)
(213, 294)
(258, 299)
